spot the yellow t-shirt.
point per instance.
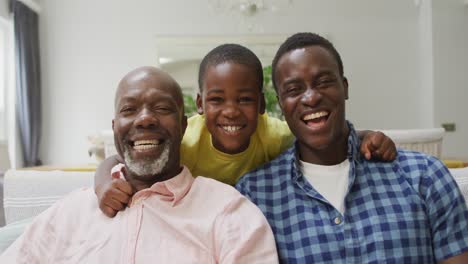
(198, 153)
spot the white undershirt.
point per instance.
(330, 181)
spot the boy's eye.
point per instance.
(215, 99)
(246, 99)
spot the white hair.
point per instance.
(147, 166)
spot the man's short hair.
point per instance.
(231, 53)
(301, 40)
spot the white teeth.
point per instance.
(146, 144)
(315, 115)
(231, 128)
(143, 147)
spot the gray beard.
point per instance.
(147, 167)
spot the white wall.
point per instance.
(2, 129)
(2, 81)
(186, 74)
(4, 8)
(450, 25)
(87, 46)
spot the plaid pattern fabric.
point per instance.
(406, 211)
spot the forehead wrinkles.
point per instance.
(144, 83)
(323, 58)
(147, 95)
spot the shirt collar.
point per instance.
(172, 190)
(353, 156)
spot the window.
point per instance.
(3, 82)
(7, 105)
(6, 72)
(2, 71)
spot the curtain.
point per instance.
(28, 81)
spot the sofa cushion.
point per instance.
(27, 192)
(9, 233)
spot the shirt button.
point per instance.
(337, 220)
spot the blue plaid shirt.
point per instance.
(406, 211)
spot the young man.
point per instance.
(326, 203)
(172, 218)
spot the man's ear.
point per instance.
(345, 85)
(112, 124)
(262, 105)
(199, 104)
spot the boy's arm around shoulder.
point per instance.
(242, 234)
(113, 193)
(103, 172)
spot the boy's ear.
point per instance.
(345, 85)
(199, 104)
(279, 102)
(262, 105)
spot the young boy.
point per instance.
(232, 134)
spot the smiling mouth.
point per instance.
(231, 129)
(146, 144)
(316, 120)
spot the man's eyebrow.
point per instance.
(125, 99)
(325, 72)
(119, 101)
(291, 80)
(165, 98)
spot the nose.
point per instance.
(311, 97)
(231, 110)
(146, 119)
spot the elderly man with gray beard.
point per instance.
(172, 218)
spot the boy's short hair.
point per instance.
(301, 40)
(231, 53)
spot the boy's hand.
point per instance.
(114, 195)
(378, 146)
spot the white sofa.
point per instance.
(27, 193)
(427, 140)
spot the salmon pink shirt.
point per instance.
(181, 220)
